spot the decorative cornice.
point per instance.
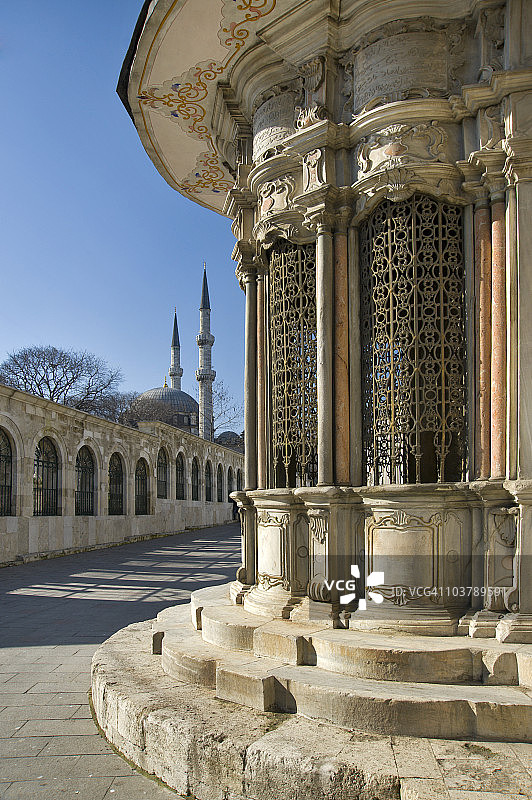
(440, 180)
(501, 84)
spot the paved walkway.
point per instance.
(53, 616)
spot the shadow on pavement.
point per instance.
(85, 598)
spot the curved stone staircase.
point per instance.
(450, 687)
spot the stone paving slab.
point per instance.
(53, 616)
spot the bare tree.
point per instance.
(227, 412)
(77, 379)
(117, 406)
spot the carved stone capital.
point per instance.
(518, 166)
(283, 225)
(244, 254)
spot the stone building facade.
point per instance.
(70, 481)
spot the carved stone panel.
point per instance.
(313, 167)
(271, 553)
(399, 63)
(276, 195)
(398, 145)
(501, 531)
(273, 121)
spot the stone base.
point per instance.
(515, 628)
(202, 746)
(412, 621)
(237, 590)
(210, 749)
(483, 625)
(417, 685)
(220, 703)
(274, 602)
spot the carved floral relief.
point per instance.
(398, 145)
(276, 195)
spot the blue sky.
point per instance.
(96, 249)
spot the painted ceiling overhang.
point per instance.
(185, 50)
(196, 69)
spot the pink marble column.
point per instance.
(498, 338)
(341, 359)
(483, 292)
(261, 384)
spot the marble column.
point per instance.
(262, 480)
(498, 336)
(324, 335)
(483, 282)
(250, 381)
(517, 626)
(341, 360)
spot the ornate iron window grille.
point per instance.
(292, 344)
(195, 480)
(413, 342)
(162, 475)
(219, 484)
(180, 477)
(84, 496)
(208, 482)
(229, 480)
(116, 485)
(45, 479)
(6, 476)
(141, 488)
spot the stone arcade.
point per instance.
(376, 159)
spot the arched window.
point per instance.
(180, 477)
(45, 479)
(208, 481)
(116, 485)
(195, 479)
(220, 484)
(229, 480)
(239, 480)
(162, 475)
(84, 483)
(6, 476)
(141, 487)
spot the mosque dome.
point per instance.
(175, 398)
(232, 440)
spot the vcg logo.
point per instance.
(349, 586)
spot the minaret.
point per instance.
(205, 375)
(175, 372)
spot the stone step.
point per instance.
(211, 596)
(283, 681)
(186, 657)
(445, 660)
(230, 627)
(383, 707)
